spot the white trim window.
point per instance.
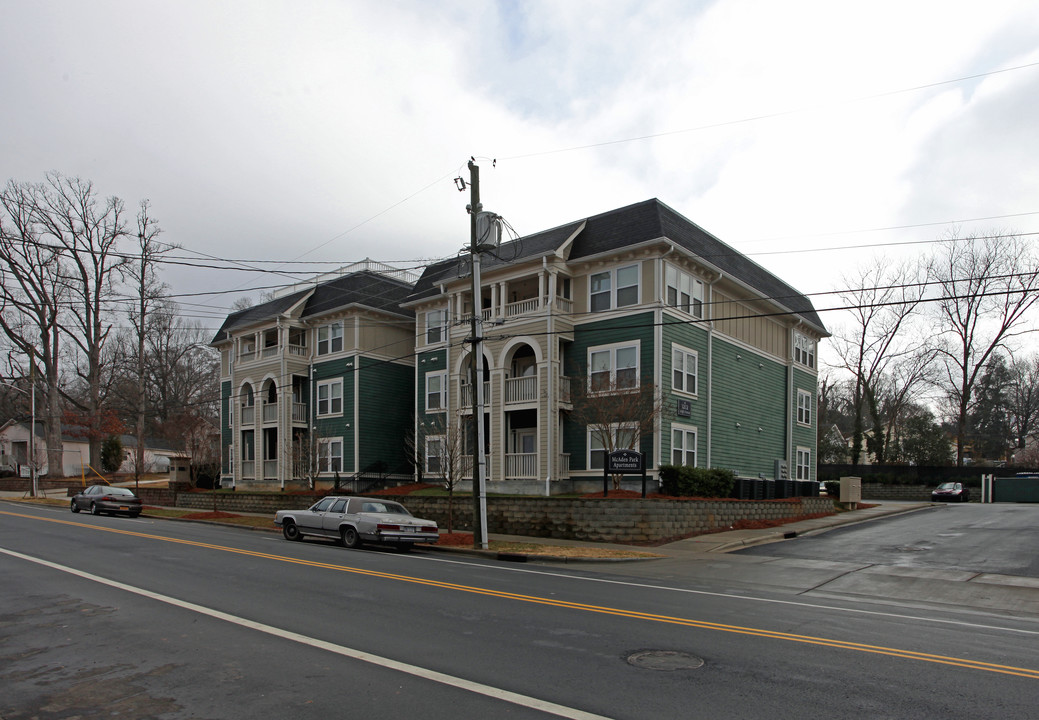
(804, 350)
(613, 367)
(684, 364)
(683, 291)
(329, 398)
(330, 455)
(435, 454)
(804, 463)
(436, 326)
(436, 391)
(614, 288)
(621, 435)
(330, 338)
(683, 445)
(804, 407)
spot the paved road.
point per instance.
(997, 538)
(176, 620)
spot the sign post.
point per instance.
(624, 462)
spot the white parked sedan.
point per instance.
(356, 520)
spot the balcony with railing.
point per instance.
(299, 413)
(248, 469)
(521, 390)
(298, 350)
(248, 415)
(563, 468)
(270, 412)
(270, 469)
(465, 395)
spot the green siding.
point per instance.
(342, 368)
(804, 436)
(384, 404)
(749, 390)
(435, 361)
(639, 327)
(691, 336)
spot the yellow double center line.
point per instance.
(584, 607)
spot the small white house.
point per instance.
(75, 452)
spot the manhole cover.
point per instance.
(664, 660)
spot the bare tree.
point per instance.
(987, 285)
(617, 412)
(442, 451)
(86, 231)
(1024, 399)
(32, 295)
(148, 291)
(881, 298)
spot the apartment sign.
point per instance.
(621, 462)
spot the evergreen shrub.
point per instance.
(683, 481)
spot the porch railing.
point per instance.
(466, 394)
(270, 412)
(521, 389)
(248, 469)
(521, 466)
(563, 469)
(248, 414)
(270, 469)
(299, 412)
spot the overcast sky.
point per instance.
(332, 131)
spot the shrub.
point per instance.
(111, 454)
(683, 481)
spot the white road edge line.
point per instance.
(731, 596)
(425, 673)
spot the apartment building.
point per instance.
(372, 371)
(316, 384)
(638, 296)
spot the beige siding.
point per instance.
(743, 322)
(380, 338)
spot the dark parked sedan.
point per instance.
(951, 492)
(106, 499)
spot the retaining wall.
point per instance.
(596, 520)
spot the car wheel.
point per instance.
(94, 509)
(291, 531)
(74, 507)
(351, 538)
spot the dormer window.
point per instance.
(330, 339)
(684, 291)
(436, 326)
(804, 350)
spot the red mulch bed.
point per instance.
(456, 539)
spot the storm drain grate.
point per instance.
(666, 660)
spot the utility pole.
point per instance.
(479, 458)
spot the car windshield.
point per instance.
(947, 486)
(384, 507)
(119, 491)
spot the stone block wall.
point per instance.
(591, 519)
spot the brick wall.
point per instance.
(597, 520)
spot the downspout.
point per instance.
(658, 421)
(283, 369)
(790, 453)
(710, 367)
(550, 421)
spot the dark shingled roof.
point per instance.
(359, 288)
(632, 225)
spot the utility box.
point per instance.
(851, 490)
(180, 469)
